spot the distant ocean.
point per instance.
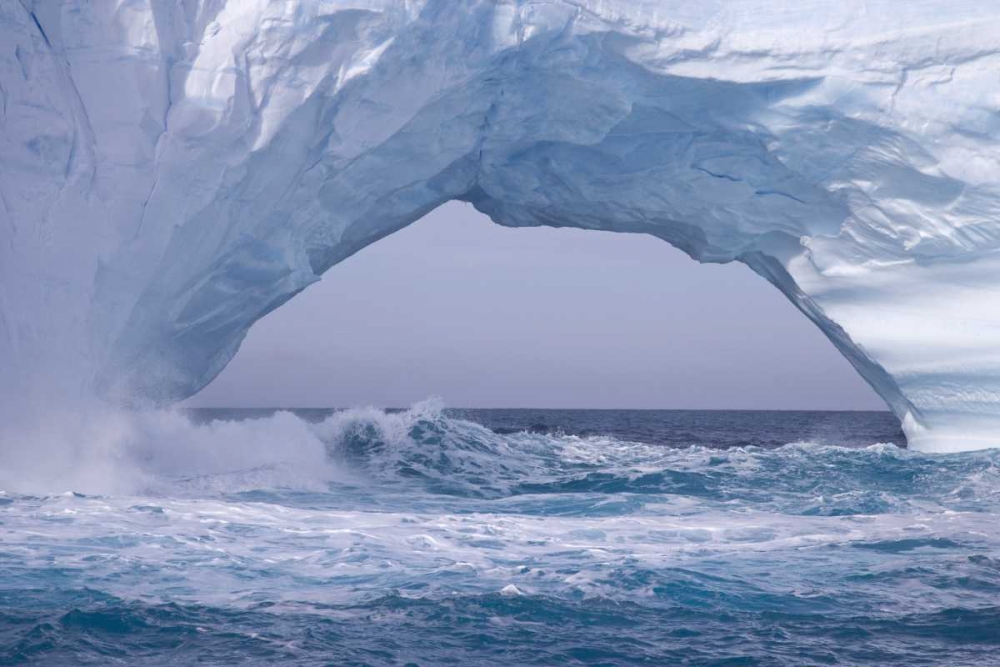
(504, 537)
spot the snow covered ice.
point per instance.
(172, 171)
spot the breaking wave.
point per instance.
(169, 452)
(163, 537)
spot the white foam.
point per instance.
(128, 453)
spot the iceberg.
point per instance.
(170, 172)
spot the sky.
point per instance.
(456, 307)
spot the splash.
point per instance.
(168, 452)
(159, 452)
(280, 538)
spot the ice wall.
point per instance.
(172, 170)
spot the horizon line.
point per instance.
(453, 407)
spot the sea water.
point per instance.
(498, 537)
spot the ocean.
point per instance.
(430, 537)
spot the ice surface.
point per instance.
(172, 171)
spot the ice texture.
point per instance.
(172, 170)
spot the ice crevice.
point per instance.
(177, 170)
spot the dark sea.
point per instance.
(501, 537)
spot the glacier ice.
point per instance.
(172, 170)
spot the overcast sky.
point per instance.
(485, 316)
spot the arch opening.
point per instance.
(487, 316)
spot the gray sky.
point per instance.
(485, 316)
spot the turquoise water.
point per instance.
(430, 537)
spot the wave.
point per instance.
(493, 629)
(459, 457)
(281, 538)
(166, 452)
(162, 452)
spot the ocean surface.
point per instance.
(498, 537)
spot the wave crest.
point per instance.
(166, 452)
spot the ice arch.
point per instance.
(172, 171)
